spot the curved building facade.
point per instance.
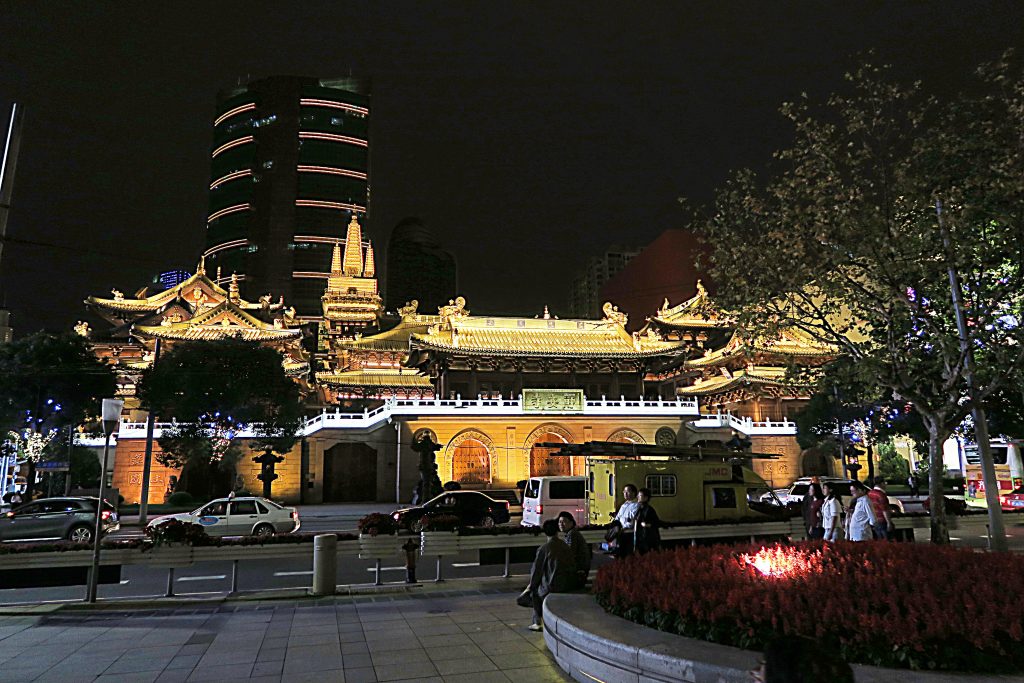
(418, 268)
(289, 167)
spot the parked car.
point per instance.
(47, 519)
(1013, 501)
(545, 497)
(243, 516)
(473, 508)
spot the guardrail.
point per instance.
(432, 544)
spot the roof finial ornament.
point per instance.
(701, 292)
(409, 309)
(370, 267)
(547, 313)
(612, 314)
(233, 295)
(201, 268)
(218, 275)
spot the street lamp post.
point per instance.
(111, 417)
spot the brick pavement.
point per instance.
(451, 636)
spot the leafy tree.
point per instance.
(50, 382)
(84, 468)
(841, 240)
(893, 466)
(214, 390)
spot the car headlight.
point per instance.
(396, 516)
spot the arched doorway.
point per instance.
(471, 462)
(542, 462)
(815, 463)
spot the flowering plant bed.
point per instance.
(887, 604)
(67, 546)
(377, 523)
(436, 521)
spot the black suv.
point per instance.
(47, 519)
(471, 507)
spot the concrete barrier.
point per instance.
(591, 645)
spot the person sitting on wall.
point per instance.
(577, 544)
(554, 571)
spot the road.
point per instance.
(215, 577)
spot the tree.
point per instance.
(213, 391)
(49, 382)
(841, 240)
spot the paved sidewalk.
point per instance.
(476, 635)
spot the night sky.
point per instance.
(527, 138)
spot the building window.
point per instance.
(661, 484)
(268, 164)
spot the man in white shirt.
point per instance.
(626, 517)
(861, 516)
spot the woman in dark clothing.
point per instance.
(813, 500)
(646, 536)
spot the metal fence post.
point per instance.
(508, 563)
(376, 576)
(170, 583)
(234, 577)
(438, 578)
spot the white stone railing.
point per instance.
(496, 407)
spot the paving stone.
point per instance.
(464, 665)
(365, 675)
(478, 677)
(405, 656)
(447, 652)
(359, 661)
(396, 672)
(220, 673)
(268, 668)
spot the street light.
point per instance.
(111, 417)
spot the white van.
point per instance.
(545, 497)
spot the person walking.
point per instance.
(554, 571)
(577, 544)
(647, 536)
(915, 485)
(831, 513)
(884, 528)
(861, 519)
(811, 509)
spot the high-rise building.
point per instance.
(169, 278)
(290, 165)
(585, 295)
(418, 268)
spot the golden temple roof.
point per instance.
(461, 333)
(376, 378)
(197, 291)
(396, 338)
(749, 377)
(225, 320)
(699, 311)
(791, 343)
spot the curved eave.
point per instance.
(712, 387)
(357, 378)
(216, 332)
(691, 323)
(541, 353)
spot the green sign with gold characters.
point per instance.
(561, 401)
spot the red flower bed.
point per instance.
(889, 604)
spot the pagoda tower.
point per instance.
(351, 303)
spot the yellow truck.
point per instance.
(687, 483)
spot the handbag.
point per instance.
(525, 599)
(613, 531)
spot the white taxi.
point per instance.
(242, 516)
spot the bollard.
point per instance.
(508, 563)
(170, 583)
(325, 564)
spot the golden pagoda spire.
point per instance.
(370, 268)
(336, 259)
(233, 295)
(354, 248)
(201, 268)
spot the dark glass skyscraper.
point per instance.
(418, 268)
(290, 164)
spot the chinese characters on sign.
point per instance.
(553, 400)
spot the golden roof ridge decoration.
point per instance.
(193, 290)
(201, 326)
(612, 314)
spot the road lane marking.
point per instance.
(465, 564)
(387, 569)
(124, 581)
(218, 577)
(293, 573)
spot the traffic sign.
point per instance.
(53, 466)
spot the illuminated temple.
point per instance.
(487, 389)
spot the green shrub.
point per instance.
(181, 499)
